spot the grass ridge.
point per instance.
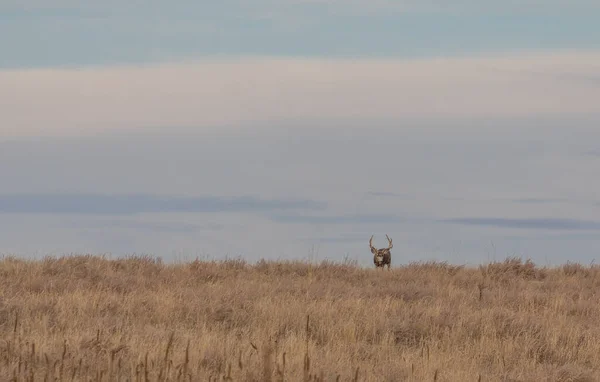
(89, 318)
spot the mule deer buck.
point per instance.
(382, 257)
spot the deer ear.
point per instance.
(373, 250)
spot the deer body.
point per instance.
(383, 256)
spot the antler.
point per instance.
(390, 242)
(371, 242)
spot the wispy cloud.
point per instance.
(540, 200)
(387, 194)
(91, 204)
(593, 153)
(534, 223)
(342, 238)
(145, 226)
(341, 219)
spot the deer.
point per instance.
(382, 257)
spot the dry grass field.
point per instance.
(137, 319)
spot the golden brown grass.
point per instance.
(90, 318)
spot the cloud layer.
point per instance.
(558, 224)
(231, 92)
(89, 204)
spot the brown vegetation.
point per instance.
(89, 318)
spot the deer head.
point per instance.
(382, 257)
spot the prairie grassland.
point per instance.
(91, 318)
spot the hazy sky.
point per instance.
(297, 128)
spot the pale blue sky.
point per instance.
(35, 33)
(282, 129)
